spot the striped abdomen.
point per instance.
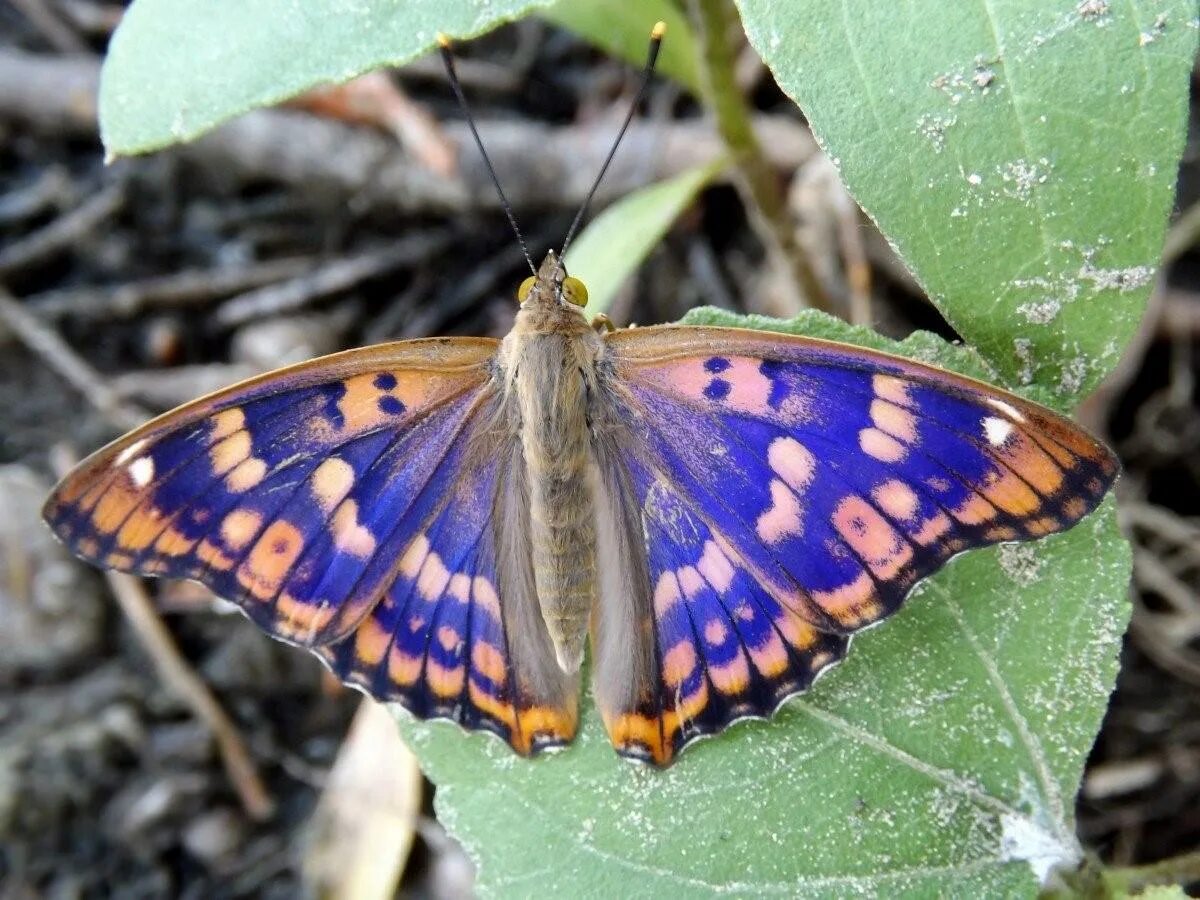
(551, 389)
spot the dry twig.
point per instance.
(64, 231)
(47, 344)
(329, 278)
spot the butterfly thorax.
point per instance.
(549, 362)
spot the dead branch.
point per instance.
(49, 346)
(542, 166)
(193, 287)
(63, 231)
(336, 275)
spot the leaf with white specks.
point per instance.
(1019, 154)
(942, 757)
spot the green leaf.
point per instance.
(608, 24)
(1020, 154)
(614, 244)
(942, 757)
(177, 68)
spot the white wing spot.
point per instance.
(1007, 408)
(997, 430)
(141, 471)
(129, 452)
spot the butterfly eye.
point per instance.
(525, 288)
(574, 291)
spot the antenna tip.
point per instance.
(657, 32)
(443, 41)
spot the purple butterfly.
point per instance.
(445, 522)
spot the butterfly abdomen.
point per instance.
(553, 377)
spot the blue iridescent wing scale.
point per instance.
(823, 478)
(307, 497)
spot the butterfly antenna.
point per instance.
(456, 86)
(656, 36)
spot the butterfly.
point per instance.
(447, 522)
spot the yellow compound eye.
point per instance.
(525, 288)
(574, 291)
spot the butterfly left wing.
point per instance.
(791, 492)
(347, 505)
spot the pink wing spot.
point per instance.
(793, 629)
(331, 482)
(446, 682)
(894, 390)
(348, 535)
(715, 632)
(895, 420)
(881, 446)
(870, 536)
(449, 639)
(239, 527)
(690, 581)
(247, 474)
(489, 662)
(732, 677)
(298, 620)
(434, 577)
(485, 595)
(745, 612)
(749, 388)
(848, 602)
(716, 568)
(791, 461)
(783, 518)
(939, 484)
(227, 422)
(666, 593)
(932, 529)
(227, 453)
(271, 559)
(460, 587)
(770, 657)
(678, 663)
(403, 670)
(414, 556)
(974, 510)
(896, 499)
(371, 642)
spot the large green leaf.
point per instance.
(176, 68)
(942, 756)
(1020, 154)
(615, 243)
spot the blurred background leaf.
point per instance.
(616, 242)
(608, 24)
(177, 68)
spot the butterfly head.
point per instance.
(552, 285)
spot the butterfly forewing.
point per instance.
(801, 481)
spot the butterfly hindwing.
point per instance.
(829, 479)
(718, 646)
(344, 506)
(440, 642)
